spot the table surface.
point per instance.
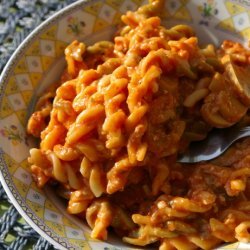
(17, 19)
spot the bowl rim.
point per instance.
(5, 74)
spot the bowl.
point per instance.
(39, 62)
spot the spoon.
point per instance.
(216, 143)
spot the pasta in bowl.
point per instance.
(112, 126)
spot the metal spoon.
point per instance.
(217, 141)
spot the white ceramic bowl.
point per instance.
(39, 61)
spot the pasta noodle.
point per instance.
(112, 127)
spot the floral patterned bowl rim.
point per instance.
(4, 75)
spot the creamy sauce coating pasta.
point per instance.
(112, 128)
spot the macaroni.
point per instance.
(111, 130)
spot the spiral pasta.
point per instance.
(112, 127)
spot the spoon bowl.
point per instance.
(216, 143)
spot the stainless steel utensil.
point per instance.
(217, 141)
